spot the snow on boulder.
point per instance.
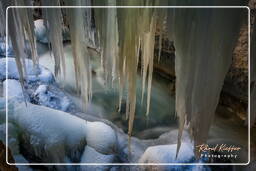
(14, 90)
(10, 51)
(92, 156)
(54, 136)
(39, 73)
(103, 134)
(41, 32)
(167, 154)
(51, 98)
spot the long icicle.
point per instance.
(204, 40)
(53, 18)
(79, 44)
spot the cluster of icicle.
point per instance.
(21, 28)
(127, 39)
(203, 39)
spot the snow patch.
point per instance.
(41, 32)
(14, 90)
(92, 156)
(34, 73)
(46, 97)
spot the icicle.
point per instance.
(15, 31)
(204, 40)
(123, 33)
(53, 17)
(106, 24)
(26, 17)
(148, 59)
(2, 19)
(161, 26)
(79, 44)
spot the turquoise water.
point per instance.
(105, 100)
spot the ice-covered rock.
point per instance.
(41, 32)
(92, 156)
(14, 90)
(34, 73)
(166, 154)
(10, 51)
(103, 134)
(50, 98)
(53, 136)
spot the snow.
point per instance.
(40, 31)
(166, 154)
(33, 74)
(91, 156)
(45, 96)
(14, 90)
(54, 135)
(10, 52)
(103, 134)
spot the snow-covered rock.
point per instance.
(53, 136)
(92, 156)
(39, 73)
(103, 134)
(14, 90)
(167, 154)
(41, 32)
(56, 100)
(10, 51)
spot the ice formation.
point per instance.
(203, 39)
(40, 73)
(14, 90)
(79, 42)
(124, 34)
(166, 154)
(53, 20)
(91, 156)
(44, 96)
(40, 31)
(65, 139)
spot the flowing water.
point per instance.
(105, 100)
